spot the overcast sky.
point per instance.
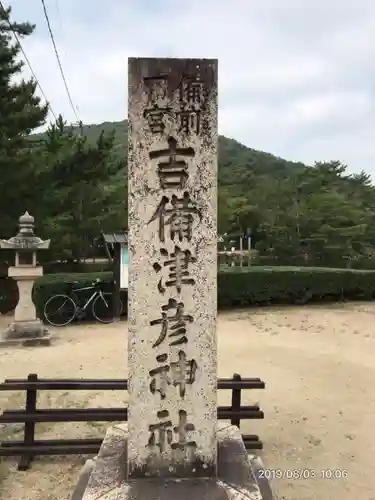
(296, 77)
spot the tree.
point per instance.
(21, 112)
(81, 191)
(321, 212)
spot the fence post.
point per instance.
(116, 294)
(29, 432)
(236, 400)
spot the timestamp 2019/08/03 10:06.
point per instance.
(303, 473)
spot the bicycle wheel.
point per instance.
(60, 310)
(102, 308)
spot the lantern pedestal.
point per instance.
(26, 328)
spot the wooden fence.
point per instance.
(29, 447)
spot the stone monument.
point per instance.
(172, 446)
(173, 267)
(26, 329)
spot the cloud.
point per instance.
(296, 78)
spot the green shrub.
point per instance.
(52, 284)
(292, 285)
(8, 295)
(75, 267)
(239, 287)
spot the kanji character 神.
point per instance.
(179, 374)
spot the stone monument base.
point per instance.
(238, 474)
(26, 333)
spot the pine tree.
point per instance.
(21, 112)
(86, 191)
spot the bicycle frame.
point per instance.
(91, 298)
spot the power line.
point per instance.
(58, 60)
(27, 60)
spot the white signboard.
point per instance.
(124, 268)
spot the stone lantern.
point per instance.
(26, 328)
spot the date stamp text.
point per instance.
(302, 473)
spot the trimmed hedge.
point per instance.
(247, 286)
(8, 295)
(76, 267)
(52, 284)
(292, 285)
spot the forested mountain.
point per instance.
(231, 153)
(290, 209)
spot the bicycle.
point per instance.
(67, 306)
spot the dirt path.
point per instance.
(319, 404)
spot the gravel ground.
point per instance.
(319, 403)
